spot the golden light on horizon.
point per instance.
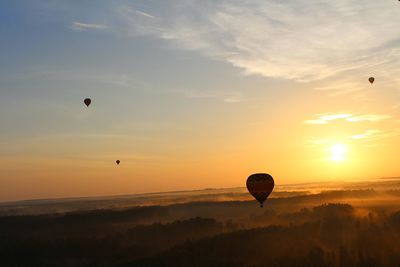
(338, 152)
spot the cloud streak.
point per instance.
(296, 39)
(80, 26)
(327, 118)
(374, 134)
(134, 11)
(228, 97)
(365, 135)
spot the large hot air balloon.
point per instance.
(260, 186)
(118, 162)
(371, 80)
(87, 101)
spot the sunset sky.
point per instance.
(193, 94)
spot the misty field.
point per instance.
(348, 224)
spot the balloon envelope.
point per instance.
(87, 101)
(118, 162)
(260, 186)
(371, 80)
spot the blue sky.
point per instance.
(193, 83)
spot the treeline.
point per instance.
(335, 238)
(324, 235)
(101, 247)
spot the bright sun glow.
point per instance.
(338, 152)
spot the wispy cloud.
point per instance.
(233, 99)
(374, 134)
(318, 141)
(341, 87)
(365, 135)
(295, 39)
(326, 118)
(80, 26)
(134, 11)
(368, 117)
(228, 97)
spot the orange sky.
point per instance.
(190, 100)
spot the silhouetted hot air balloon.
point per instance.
(118, 162)
(372, 79)
(87, 101)
(260, 186)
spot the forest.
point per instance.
(332, 228)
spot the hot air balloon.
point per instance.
(87, 101)
(260, 186)
(371, 80)
(118, 162)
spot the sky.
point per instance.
(193, 94)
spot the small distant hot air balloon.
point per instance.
(372, 79)
(260, 186)
(118, 162)
(87, 101)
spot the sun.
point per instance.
(338, 152)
